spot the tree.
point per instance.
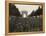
(13, 11)
(38, 11)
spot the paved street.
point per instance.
(19, 24)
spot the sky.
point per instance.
(28, 8)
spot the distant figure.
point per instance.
(24, 14)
